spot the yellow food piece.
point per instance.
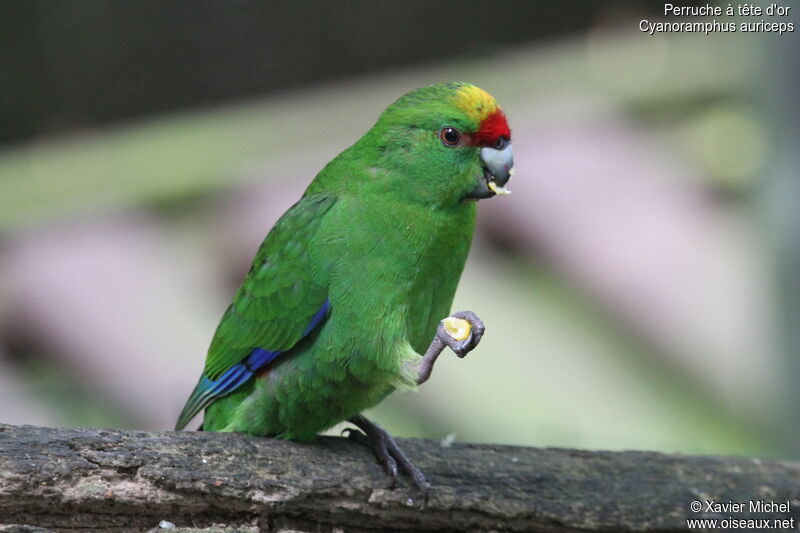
(457, 328)
(498, 190)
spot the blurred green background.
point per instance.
(641, 287)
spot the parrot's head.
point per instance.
(450, 143)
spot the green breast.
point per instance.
(405, 260)
(392, 278)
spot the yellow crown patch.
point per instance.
(475, 102)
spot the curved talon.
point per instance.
(390, 467)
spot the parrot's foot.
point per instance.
(461, 332)
(387, 452)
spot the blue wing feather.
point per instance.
(208, 390)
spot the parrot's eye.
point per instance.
(501, 143)
(450, 136)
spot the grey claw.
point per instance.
(391, 470)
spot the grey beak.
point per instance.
(499, 163)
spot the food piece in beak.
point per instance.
(498, 190)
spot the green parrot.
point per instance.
(354, 280)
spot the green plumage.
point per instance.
(382, 234)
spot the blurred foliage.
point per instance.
(170, 158)
(69, 64)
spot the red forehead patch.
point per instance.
(492, 128)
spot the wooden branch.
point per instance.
(110, 480)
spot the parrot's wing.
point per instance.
(278, 303)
